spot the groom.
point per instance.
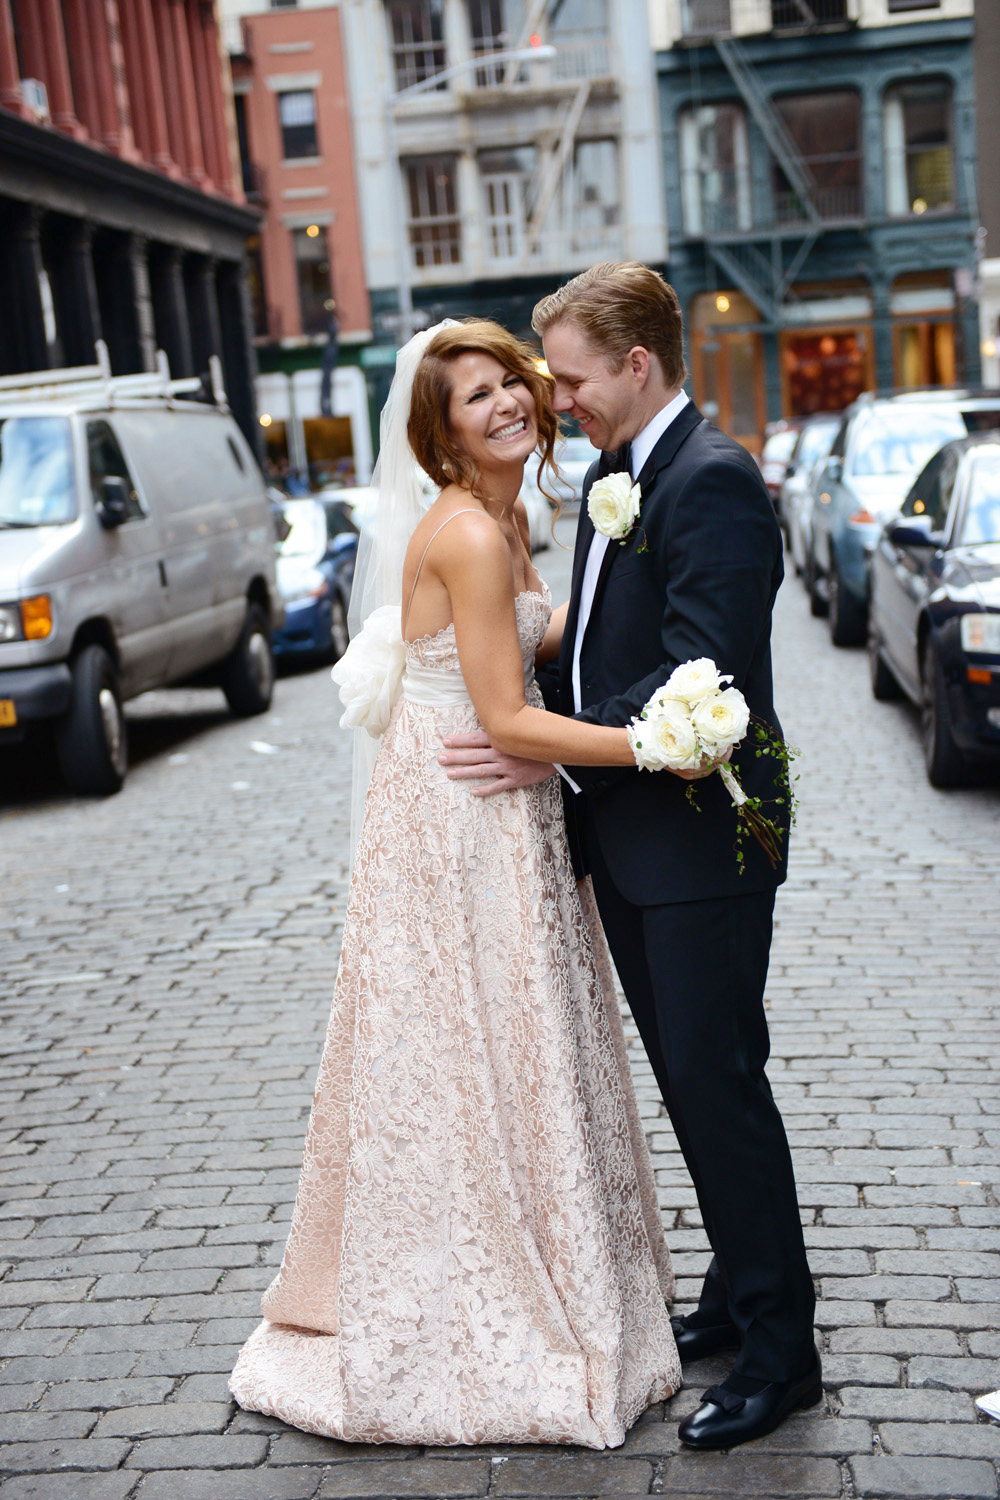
(689, 929)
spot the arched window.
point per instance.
(919, 149)
(715, 169)
(826, 129)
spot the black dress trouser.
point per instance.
(693, 974)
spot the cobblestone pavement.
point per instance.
(169, 957)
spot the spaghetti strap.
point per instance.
(468, 511)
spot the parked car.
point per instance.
(812, 445)
(882, 444)
(776, 456)
(136, 551)
(315, 571)
(934, 617)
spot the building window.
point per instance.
(489, 34)
(418, 50)
(791, 15)
(715, 169)
(596, 198)
(506, 177)
(826, 128)
(919, 155)
(312, 265)
(297, 113)
(895, 5)
(435, 231)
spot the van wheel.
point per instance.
(247, 677)
(91, 742)
(339, 634)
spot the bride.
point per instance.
(476, 1253)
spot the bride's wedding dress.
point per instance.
(476, 1253)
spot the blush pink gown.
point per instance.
(476, 1253)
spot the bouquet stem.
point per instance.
(764, 831)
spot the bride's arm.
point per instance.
(474, 565)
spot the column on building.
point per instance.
(10, 71)
(229, 181)
(145, 85)
(203, 309)
(885, 362)
(193, 155)
(469, 198)
(49, 17)
(122, 279)
(209, 118)
(165, 59)
(23, 344)
(82, 48)
(170, 309)
(67, 250)
(238, 361)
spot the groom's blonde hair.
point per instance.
(619, 305)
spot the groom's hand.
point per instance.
(471, 757)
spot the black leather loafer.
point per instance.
(699, 1343)
(725, 1419)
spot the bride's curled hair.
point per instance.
(429, 429)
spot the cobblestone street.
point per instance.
(168, 960)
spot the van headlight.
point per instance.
(981, 633)
(10, 623)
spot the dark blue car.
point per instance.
(934, 618)
(315, 571)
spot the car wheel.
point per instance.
(248, 674)
(817, 603)
(339, 634)
(846, 617)
(91, 741)
(884, 685)
(945, 763)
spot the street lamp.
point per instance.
(407, 327)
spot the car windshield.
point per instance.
(900, 440)
(36, 472)
(307, 537)
(982, 512)
(816, 441)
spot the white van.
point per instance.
(136, 550)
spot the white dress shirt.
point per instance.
(642, 446)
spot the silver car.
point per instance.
(136, 550)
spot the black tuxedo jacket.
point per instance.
(703, 584)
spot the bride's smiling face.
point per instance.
(491, 412)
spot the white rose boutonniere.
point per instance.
(613, 506)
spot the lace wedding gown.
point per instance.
(476, 1253)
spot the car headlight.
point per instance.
(310, 584)
(10, 623)
(981, 633)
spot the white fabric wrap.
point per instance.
(369, 675)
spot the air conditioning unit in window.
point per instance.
(36, 97)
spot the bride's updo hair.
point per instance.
(429, 427)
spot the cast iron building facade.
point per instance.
(121, 214)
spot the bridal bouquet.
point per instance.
(691, 724)
(370, 672)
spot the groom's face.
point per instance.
(600, 399)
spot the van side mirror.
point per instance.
(113, 509)
(790, 469)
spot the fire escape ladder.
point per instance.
(772, 126)
(751, 271)
(557, 165)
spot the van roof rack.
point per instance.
(90, 387)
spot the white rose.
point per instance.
(693, 680)
(613, 505)
(721, 720)
(665, 739)
(370, 672)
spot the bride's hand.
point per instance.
(708, 765)
(471, 757)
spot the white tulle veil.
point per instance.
(401, 502)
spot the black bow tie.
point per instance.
(616, 462)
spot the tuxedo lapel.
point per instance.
(663, 452)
